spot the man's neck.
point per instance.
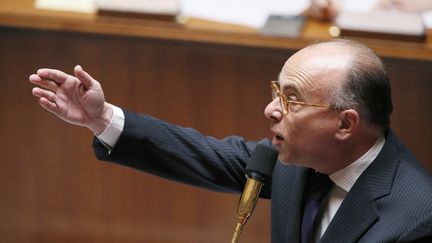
(355, 149)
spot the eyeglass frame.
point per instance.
(285, 102)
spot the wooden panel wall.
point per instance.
(54, 190)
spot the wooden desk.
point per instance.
(21, 14)
(200, 75)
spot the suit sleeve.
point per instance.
(181, 154)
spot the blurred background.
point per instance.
(180, 66)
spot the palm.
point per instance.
(76, 103)
(76, 99)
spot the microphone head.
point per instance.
(262, 161)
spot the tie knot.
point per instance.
(320, 185)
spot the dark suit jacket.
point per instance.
(390, 202)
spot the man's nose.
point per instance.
(273, 111)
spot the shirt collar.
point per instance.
(346, 177)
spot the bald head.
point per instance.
(316, 69)
(353, 73)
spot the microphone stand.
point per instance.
(258, 170)
(246, 206)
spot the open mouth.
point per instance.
(277, 140)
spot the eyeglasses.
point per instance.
(285, 103)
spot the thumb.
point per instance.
(83, 76)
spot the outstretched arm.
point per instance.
(75, 99)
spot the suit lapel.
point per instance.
(358, 211)
(356, 214)
(296, 203)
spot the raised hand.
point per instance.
(76, 99)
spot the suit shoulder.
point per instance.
(415, 177)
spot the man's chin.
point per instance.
(284, 159)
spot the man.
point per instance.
(330, 116)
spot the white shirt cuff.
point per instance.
(112, 132)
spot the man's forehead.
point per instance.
(296, 77)
(309, 85)
(287, 84)
(307, 66)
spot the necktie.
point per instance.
(318, 187)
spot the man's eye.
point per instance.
(294, 107)
(292, 97)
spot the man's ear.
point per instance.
(348, 124)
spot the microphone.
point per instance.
(258, 170)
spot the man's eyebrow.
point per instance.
(294, 87)
(289, 86)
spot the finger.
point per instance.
(53, 74)
(45, 83)
(41, 93)
(83, 76)
(48, 105)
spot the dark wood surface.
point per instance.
(54, 190)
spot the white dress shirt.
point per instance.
(343, 179)
(112, 132)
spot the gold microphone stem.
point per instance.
(237, 232)
(246, 206)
